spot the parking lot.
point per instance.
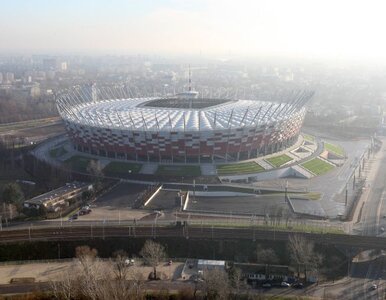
(164, 200)
(256, 205)
(116, 204)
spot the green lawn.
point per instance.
(122, 168)
(317, 166)
(78, 163)
(278, 161)
(175, 170)
(243, 168)
(308, 137)
(56, 152)
(335, 149)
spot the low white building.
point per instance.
(59, 197)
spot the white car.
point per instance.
(373, 287)
(129, 262)
(285, 284)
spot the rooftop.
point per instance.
(192, 103)
(69, 187)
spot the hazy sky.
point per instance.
(337, 28)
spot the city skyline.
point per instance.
(309, 29)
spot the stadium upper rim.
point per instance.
(114, 108)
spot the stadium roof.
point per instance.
(162, 115)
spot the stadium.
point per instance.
(183, 128)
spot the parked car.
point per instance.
(130, 262)
(298, 285)
(373, 287)
(73, 217)
(285, 284)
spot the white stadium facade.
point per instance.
(183, 128)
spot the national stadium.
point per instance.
(183, 128)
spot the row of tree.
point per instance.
(88, 277)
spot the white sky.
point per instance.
(324, 28)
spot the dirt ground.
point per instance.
(54, 270)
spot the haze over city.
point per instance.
(300, 28)
(192, 149)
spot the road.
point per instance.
(374, 195)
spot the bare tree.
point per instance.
(266, 256)
(94, 168)
(120, 265)
(153, 253)
(64, 287)
(137, 280)
(90, 274)
(236, 279)
(302, 253)
(216, 284)
(91, 281)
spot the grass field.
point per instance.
(317, 166)
(116, 167)
(243, 168)
(169, 170)
(278, 161)
(78, 163)
(308, 137)
(335, 149)
(56, 152)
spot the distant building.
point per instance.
(55, 199)
(207, 264)
(9, 77)
(49, 63)
(63, 66)
(35, 91)
(261, 272)
(50, 75)
(1, 77)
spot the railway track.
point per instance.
(187, 232)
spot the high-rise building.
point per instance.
(1, 77)
(63, 66)
(9, 77)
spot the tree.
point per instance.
(216, 284)
(12, 194)
(235, 277)
(120, 267)
(94, 168)
(87, 278)
(302, 253)
(153, 253)
(84, 280)
(266, 256)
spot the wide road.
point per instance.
(374, 195)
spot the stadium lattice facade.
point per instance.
(179, 129)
